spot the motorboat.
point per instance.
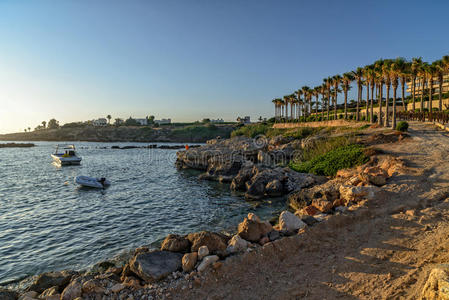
(65, 155)
(92, 182)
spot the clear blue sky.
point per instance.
(187, 60)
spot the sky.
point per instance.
(188, 60)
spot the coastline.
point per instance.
(367, 203)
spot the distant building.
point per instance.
(244, 120)
(100, 122)
(143, 122)
(217, 121)
(163, 121)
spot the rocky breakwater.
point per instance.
(252, 166)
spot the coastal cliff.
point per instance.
(185, 134)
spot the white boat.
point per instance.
(92, 182)
(65, 155)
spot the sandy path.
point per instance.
(383, 251)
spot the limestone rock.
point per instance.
(72, 291)
(117, 288)
(47, 280)
(437, 285)
(189, 261)
(207, 261)
(215, 242)
(237, 244)
(252, 230)
(202, 252)
(357, 193)
(274, 188)
(175, 243)
(92, 286)
(290, 222)
(152, 266)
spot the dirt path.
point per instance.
(382, 251)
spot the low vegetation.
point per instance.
(328, 164)
(266, 129)
(402, 126)
(200, 132)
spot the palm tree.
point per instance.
(346, 84)
(336, 80)
(44, 124)
(327, 83)
(403, 70)
(396, 71)
(299, 94)
(323, 90)
(306, 93)
(439, 71)
(109, 118)
(369, 81)
(386, 67)
(422, 74)
(430, 72)
(414, 68)
(379, 82)
(316, 93)
(358, 77)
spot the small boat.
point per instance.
(92, 182)
(67, 156)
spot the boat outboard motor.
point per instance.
(102, 180)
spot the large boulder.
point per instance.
(73, 290)
(189, 261)
(375, 175)
(237, 244)
(274, 188)
(215, 242)
(207, 261)
(357, 193)
(47, 280)
(253, 231)
(8, 294)
(155, 265)
(328, 191)
(239, 181)
(437, 285)
(175, 243)
(289, 222)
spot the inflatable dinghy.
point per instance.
(92, 182)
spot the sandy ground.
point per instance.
(384, 250)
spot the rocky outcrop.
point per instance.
(8, 294)
(215, 242)
(52, 279)
(155, 265)
(237, 244)
(189, 261)
(253, 230)
(175, 243)
(437, 285)
(289, 222)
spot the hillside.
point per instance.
(191, 134)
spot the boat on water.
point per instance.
(92, 182)
(65, 155)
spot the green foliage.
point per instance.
(200, 132)
(402, 126)
(329, 163)
(264, 129)
(53, 124)
(251, 130)
(364, 127)
(131, 122)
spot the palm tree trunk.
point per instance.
(359, 86)
(367, 100)
(316, 107)
(393, 123)
(440, 95)
(422, 95)
(430, 97)
(346, 103)
(380, 105)
(327, 102)
(403, 95)
(335, 104)
(372, 103)
(387, 104)
(413, 93)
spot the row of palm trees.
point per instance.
(383, 76)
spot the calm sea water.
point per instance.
(48, 223)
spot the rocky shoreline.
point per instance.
(16, 145)
(184, 261)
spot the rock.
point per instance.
(155, 265)
(290, 222)
(274, 235)
(253, 217)
(207, 261)
(237, 244)
(72, 291)
(274, 188)
(117, 288)
(189, 261)
(309, 210)
(264, 240)
(8, 294)
(50, 279)
(215, 242)
(309, 220)
(175, 243)
(322, 205)
(239, 181)
(50, 292)
(341, 209)
(375, 175)
(328, 191)
(437, 285)
(252, 230)
(202, 252)
(357, 193)
(217, 265)
(321, 217)
(92, 286)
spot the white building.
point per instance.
(143, 122)
(163, 121)
(100, 122)
(217, 121)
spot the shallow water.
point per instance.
(48, 223)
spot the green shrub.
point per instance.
(251, 130)
(329, 163)
(300, 133)
(402, 126)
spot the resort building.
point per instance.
(163, 121)
(217, 121)
(100, 122)
(419, 87)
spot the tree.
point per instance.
(131, 122)
(379, 82)
(53, 124)
(327, 82)
(414, 68)
(346, 84)
(396, 71)
(358, 76)
(109, 118)
(150, 119)
(336, 80)
(44, 124)
(439, 71)
(386, 68)
(29, 129)
(430, 73)
(422, 74)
